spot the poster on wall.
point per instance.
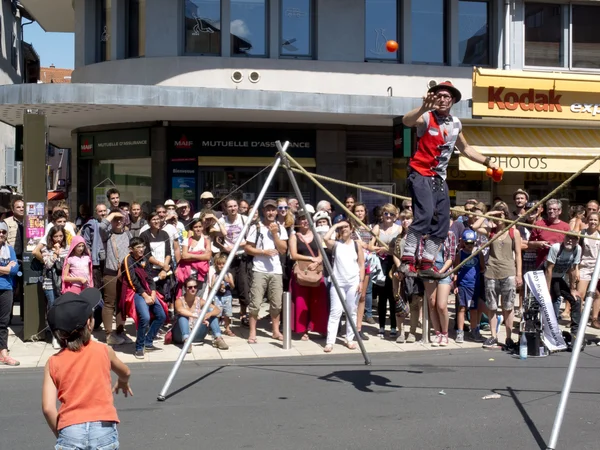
(35, 225)
(184, 188)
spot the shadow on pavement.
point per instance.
(189, 385)
(363, 379)
(534, 431)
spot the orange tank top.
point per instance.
(84, 385)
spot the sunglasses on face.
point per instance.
(192, 287)
(388, 214)
(3, 232)
(469, 243)
(283, 208)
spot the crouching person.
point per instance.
(139, 299)
(188, 308)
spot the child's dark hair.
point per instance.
(56, 229)
(135, 241)
(220, 258)
(76, 340)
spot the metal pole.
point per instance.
(287, 321)
(425, 324)
(211, 295)
(566, 390)
(322, 250)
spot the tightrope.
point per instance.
(474, 254)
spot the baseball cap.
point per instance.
(269, 202)
(469, 236)
(169, 203)
(206, 195)
(181, 203)
(71, 311)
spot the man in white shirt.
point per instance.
(265, 242)
(233, 224)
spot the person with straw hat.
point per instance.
(438, 133)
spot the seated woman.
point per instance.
(187, 310)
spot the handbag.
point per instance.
(304, 276)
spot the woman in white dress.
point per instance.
(589, 255)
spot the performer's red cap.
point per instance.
(456, 95)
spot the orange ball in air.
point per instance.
(497, 175)
(391, 46)
(489, 172)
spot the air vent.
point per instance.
(254, 77)
(237, 76)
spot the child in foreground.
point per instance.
(79, 377)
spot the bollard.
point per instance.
(287, 321)
(425, 320)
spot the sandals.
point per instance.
(252, 341)
(230, 333)
(304, 337)
(351, 345)
(278, 337)
(9, 361)
(328, 348)
(596, 324)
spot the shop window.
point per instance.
(296, 28)
(136, 28)
(585, 38)
(132, 177)
(428, 24)
(203, 27)
(544, 44)
(474, 32)
(248, 27)
(103, 32)
(381, 25)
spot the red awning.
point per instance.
(56, 195)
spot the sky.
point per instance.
(53, 48)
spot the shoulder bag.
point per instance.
(304, 276)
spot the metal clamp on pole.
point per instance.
(162, 396)
(324, 256)
(566, 390)
(287, 321)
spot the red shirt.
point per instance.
(548, 236)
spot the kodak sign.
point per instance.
(532, 100)
(531, 95)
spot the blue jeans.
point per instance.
(181, 330)
(369, 300)
(50, 297)
(147, 330)
(88, 436)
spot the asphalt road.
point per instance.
(334, 402)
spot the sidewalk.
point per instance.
(35, 354)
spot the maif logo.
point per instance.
(184, 143)
(86, 147)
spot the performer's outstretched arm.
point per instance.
(472, 154)
(414, 117)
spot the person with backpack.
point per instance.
(563, 260)
(265, 242)
(503, 274)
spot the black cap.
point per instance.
(268, 203)
(71, 311)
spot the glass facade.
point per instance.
(296, 28)
(203, 27)
(428, 24)
(585, 42)
(248, 28)
(132, 177)
(381, 25)
(473, 33)
(136, 28)
(544, 45)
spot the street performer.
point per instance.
(438, 133)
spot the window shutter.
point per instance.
(10, 167)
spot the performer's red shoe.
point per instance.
(427, 269)
(408, 266)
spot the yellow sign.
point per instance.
(514, 163)
(499, 93)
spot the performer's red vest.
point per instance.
(435, 147)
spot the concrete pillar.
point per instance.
(34, 190)
(86, 35)
(226, 29)
(164, 35)
(453, 41)
(118, 36)
(158, 152)
(273, 33)
(331, 161)
(74, 189)
(406, 31)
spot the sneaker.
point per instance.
(443, 340)
(509, 345)
(490, 342)
(411, 338)
(139, 354)
(460, 337)
(220, 344)
(381, 333)
(151, 348)
(363, 336)
(499, 323)
(114, 339)
(393, 333)
(485, 327)
(476, 336)
(55, 344)
(9, 361)
(435, 342)
(370, 321)
(126, 339)
(401, 339)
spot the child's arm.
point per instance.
(70, 279)
(122, 371)
(49, 400)
(229, 279)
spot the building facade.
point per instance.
(173, 97)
